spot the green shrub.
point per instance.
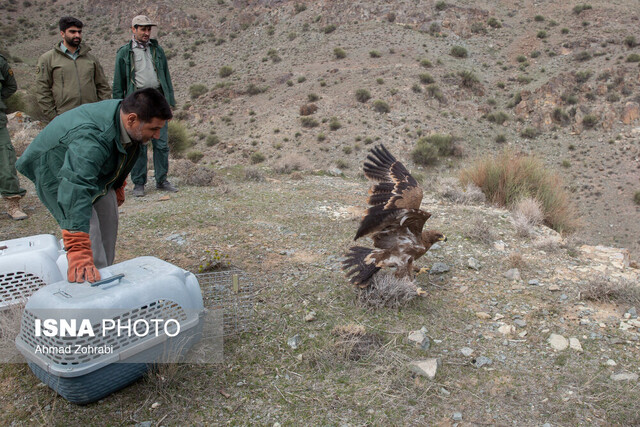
(535, 54)
(583, 76)
(302, 79)
(468, 79)
(510, 177)
(340, 53)
(225, 71)
(564, 31)
(566, 163)
(300, 7)
(459, 52)
(425, 78)
(577, 9)
(630, 42)
(494, 23)
(529, 133)
(380, 80)
(375, 54)
(195, 156)
(589, 121)
(212, 140)
(499, 117)
(16, 102)
(501, 138)
(444, 143)
(426, 63)
(636, 198)
(559, 116)
(582, 56)
(256, 157)
(424, 154)
(521, 58)
(312, 97)
(538, 18)
(334, 123)
(435, 92)
(329, 29)
(308, 122)
(179, 139)
(416, 88)
(197, 90)
(634, 57)
(253, 89)
(321, 137)
(380, 106)
(347, 150)
(441, 5)
(569, 99)
(542, 34)
(362, 95)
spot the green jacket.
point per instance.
(124, 76)
(63, 84)
(8, 87)
(76, 159)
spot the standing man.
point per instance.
(9, 184)
(141, 63)
(68, 75)
(79, 164)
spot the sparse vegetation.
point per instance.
(529, 133)
(468, 79)
(329, 29)
(334, 123)
(381, 106)
(309, 122)
(499, 117)
(426, 63)
(256, 157)
(589, 121)
(441, 5)
(339, 53)
(363, 95)
(425, 78)
(195, 156)
(459, 52)
(197, 90)
(494, 23)
(225, 71)
(634, 57)
(636, 197)
(509, 177)
(179, 139)
(375, 54)
(579, 8)
(542, 34)
(630, 42)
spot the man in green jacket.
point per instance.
(141, 63)
(68, 75)
(9, 184)
(79, 164)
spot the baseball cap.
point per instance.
(142, 20)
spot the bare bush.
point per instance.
(353, 342)
(292, 162)
(480, 231)
(526, 215)
(603, 289)
(516, 260)
(547, 244)
(386, 290)
(450, 189)
(193, 174)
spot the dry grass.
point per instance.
(193, 174)
(353, 342)
(450, 189)
(516, 260)
(386, 290)
(602, 289)
(9, 330)
(509, 177)
(292, 162)
(527, 214)
(480, 231)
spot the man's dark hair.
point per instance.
(147, 103)
(68, 22)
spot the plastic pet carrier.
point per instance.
(86, 341)
(26, 265)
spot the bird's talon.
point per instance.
(423, 270)
(421, 292)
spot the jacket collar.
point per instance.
(82, 50)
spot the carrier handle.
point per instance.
(108, 280)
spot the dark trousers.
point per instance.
(160, 159)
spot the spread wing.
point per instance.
(394, 199)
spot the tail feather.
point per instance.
(356, 267)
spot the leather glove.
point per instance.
(120, 194)
(80, 257)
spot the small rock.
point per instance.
(513, 274)
(144, 424)
(444, 391)
(499, 245)
(482, 315)
(466, 351)
(177, 238)
(435, 247)
(420, 339)
(310, 317)
(473, 263)
(632, 312)
(294, 342)
(624, 326)
(507, 329)
(498, 316)
(558, 342)
(276, 424)
(554, 288)
(520, 323)
(624, 377)
(439, 268)
(427, 368)
(457, 416)
(611, 362)
(574, 344)
(481, 361)
(534, 282)
(155, 405)
(563, 297)
(546, 425)
(334, 172)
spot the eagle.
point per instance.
(394, 221)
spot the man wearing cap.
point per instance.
(79, 164)
(68, 75)
(141, 63)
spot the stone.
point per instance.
(457, 416)
(520, 323)
(554, 288)
(439, 268)
(466, 351)
(310, 317)
(482, 315)
(444, 391)
(624, 326)
(574, 344)
(632, 312)
(155, 405)
(481, 361)
(294, 342)
(335, 172)
(499, 245)
(507, 329)
(473, 263)
(144, 424)
(177, 238)
(427, 367)
(534, 282)
(611, 362)
(513, 274)
(624, 377)
(420, 339)
(558, 342)
(22, 129)
(631, 113)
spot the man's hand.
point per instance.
(120, 194)
(80, 257)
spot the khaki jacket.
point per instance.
(63, 84)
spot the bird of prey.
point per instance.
(394, 221)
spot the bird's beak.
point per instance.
(442, 239)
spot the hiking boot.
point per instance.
(13, 208)
(166, 186)
(138, 190)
